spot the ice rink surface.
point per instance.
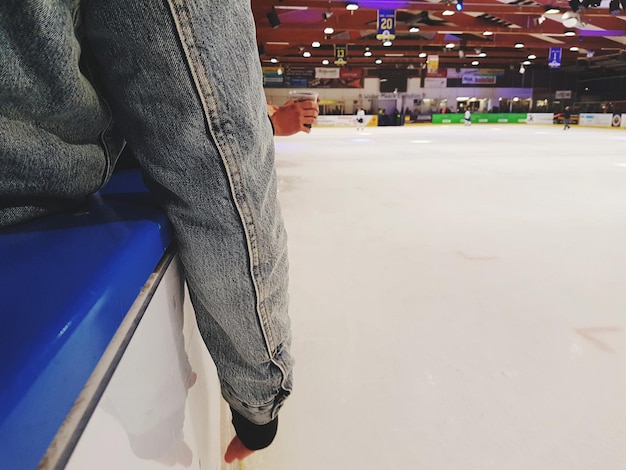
(458, 299)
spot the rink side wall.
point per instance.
(584, 120)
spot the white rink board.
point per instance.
(162, 408)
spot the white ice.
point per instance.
(457, 299)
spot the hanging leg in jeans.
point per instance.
(183, 81)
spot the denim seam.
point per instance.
(204, 90)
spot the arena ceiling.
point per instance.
(483, 33)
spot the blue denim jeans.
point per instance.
(180, 82)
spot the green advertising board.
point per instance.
(481, 118)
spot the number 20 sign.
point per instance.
(386, 25)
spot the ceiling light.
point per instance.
(448, 12)
(475, 62)
(488, 33)
(274, 60)
(519, 45)
(526, 62)
(574, 49)
(569, 32)
(532, 56)
(482, 54)
(352, 6)
(379, 61)
(315, 44)
(367, 53)
(414, 29)
(422, 54)
(329, 30)
(325, 62)
(450, 45)
(306, 54)
(569, 19)
(387, 43)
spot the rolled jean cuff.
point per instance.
(254, 436)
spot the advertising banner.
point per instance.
(343, 121)
(474, 77)
(596, 120)
(435, 82)
(432, 63)
(344, 77)
(327, 72)
(617, 120)
(495, 118)
(298, 77)
(540, 118)
(273, 77)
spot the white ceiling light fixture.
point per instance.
(325, 62)
(329, 30)
(475, 62)
(519, 45)
(482, 54)
(274, 60)
(574, 49)
(422, 55)
(488, 33)
(387, 43)
(526, 62)
(448, 12)
(351, 6)
(532, 56)
(414, 29)
(570, 19)
(367, 53)
(379, 61)
(569, 33)
(450, 45)
(315, 44)
(306, 54)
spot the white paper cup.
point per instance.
(303, 96)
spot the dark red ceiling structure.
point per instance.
(287, 29)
